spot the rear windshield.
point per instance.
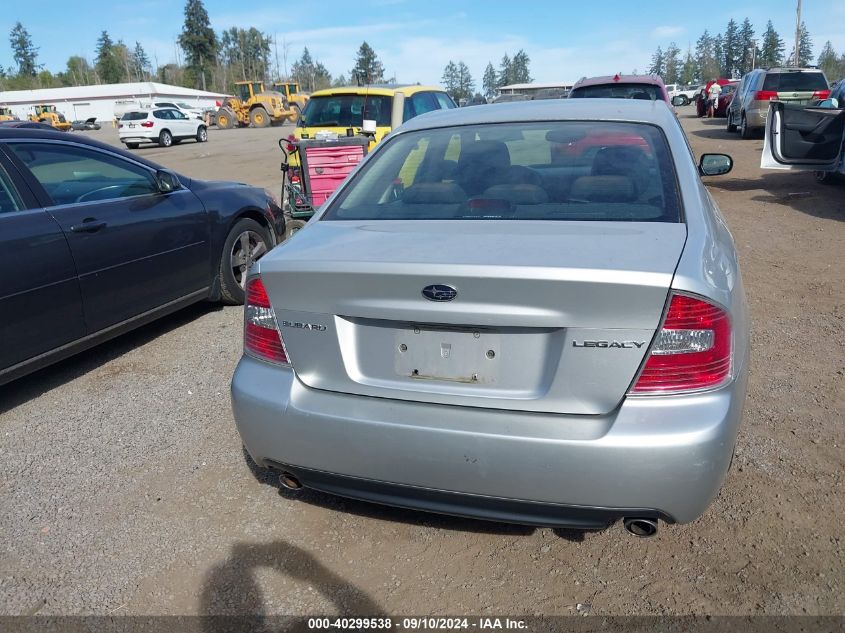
(134, 116)
(518, 171)
(795, 82)
(619, 91)
(346, 111)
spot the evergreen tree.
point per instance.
(520, 71)
(140, 63)
(505, 72)
(731, 56)
(805, 49)
(689, 72)
(24, 52)
(771, 50)
(303, 70)
(749, 47)
(368, 69)
(658, 63)
(450, 79)
(672, 64)
(108, 65)
(828, 62)
(705, 60)
(488, 82)
(199, 41)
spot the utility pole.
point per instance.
(797, 33)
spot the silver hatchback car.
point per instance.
(531, 313)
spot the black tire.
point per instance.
(165, 139)
(731, 126)
(744, 130)
(202, 134)
(259, 117)
(292, 225)
(684, 100)
(225, 119)
(132, 145)
(231, 288)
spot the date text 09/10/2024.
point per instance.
(420, 623)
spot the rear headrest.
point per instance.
(517, 194)
(434, 193)
(617, 160)
(493, 154)
(603, 189)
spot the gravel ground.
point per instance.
(125, 490)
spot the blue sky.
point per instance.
(416, 38)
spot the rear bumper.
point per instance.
(658, 457)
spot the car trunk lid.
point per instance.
(549, 316)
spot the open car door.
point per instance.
(808, 138)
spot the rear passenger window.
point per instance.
(9, 198)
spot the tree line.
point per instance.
(210, 61)
(457, 79)
(736, 51)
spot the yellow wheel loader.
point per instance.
(251, 106)
(295, 99)
(48, 114)
(6, 114)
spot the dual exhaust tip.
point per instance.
(639, 527)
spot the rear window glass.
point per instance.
(794, 82)
(619, 91)
(518, 171)
(346, 111)
(134, 116)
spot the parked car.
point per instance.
(703, 93)
(86, 125)
(33, 125)
(97, 241)
(797, 86)
(194, 112)
(472, 327)
(685, 93)
(335, 112)
(723, 101)
(807, 138)
(645, 87)
(161, 126)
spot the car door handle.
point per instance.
(89, 225)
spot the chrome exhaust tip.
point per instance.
(289, 481)
(640, 527)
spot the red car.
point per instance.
(701, 98)
(725, 98)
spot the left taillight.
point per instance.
(262, 339)
(692, 350)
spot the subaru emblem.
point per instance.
(439, 292)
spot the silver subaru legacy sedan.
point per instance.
(528, 312)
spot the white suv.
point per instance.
(165, 126)
(191, 111)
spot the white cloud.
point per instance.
(666, 31)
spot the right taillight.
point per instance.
(692, 350)
(262, 339)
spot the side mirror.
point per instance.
(167, 181)
(678, 101)
(715, 164)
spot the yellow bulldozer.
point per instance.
(295, 99)
(49, 115)
(252, 106)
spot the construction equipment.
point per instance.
(295, 99)
(48, 114)
(252, 106)
(6, 114)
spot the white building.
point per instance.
(533, 88)
(102, 101)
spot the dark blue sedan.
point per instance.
(95, 241)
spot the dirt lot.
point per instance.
(125, 490)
